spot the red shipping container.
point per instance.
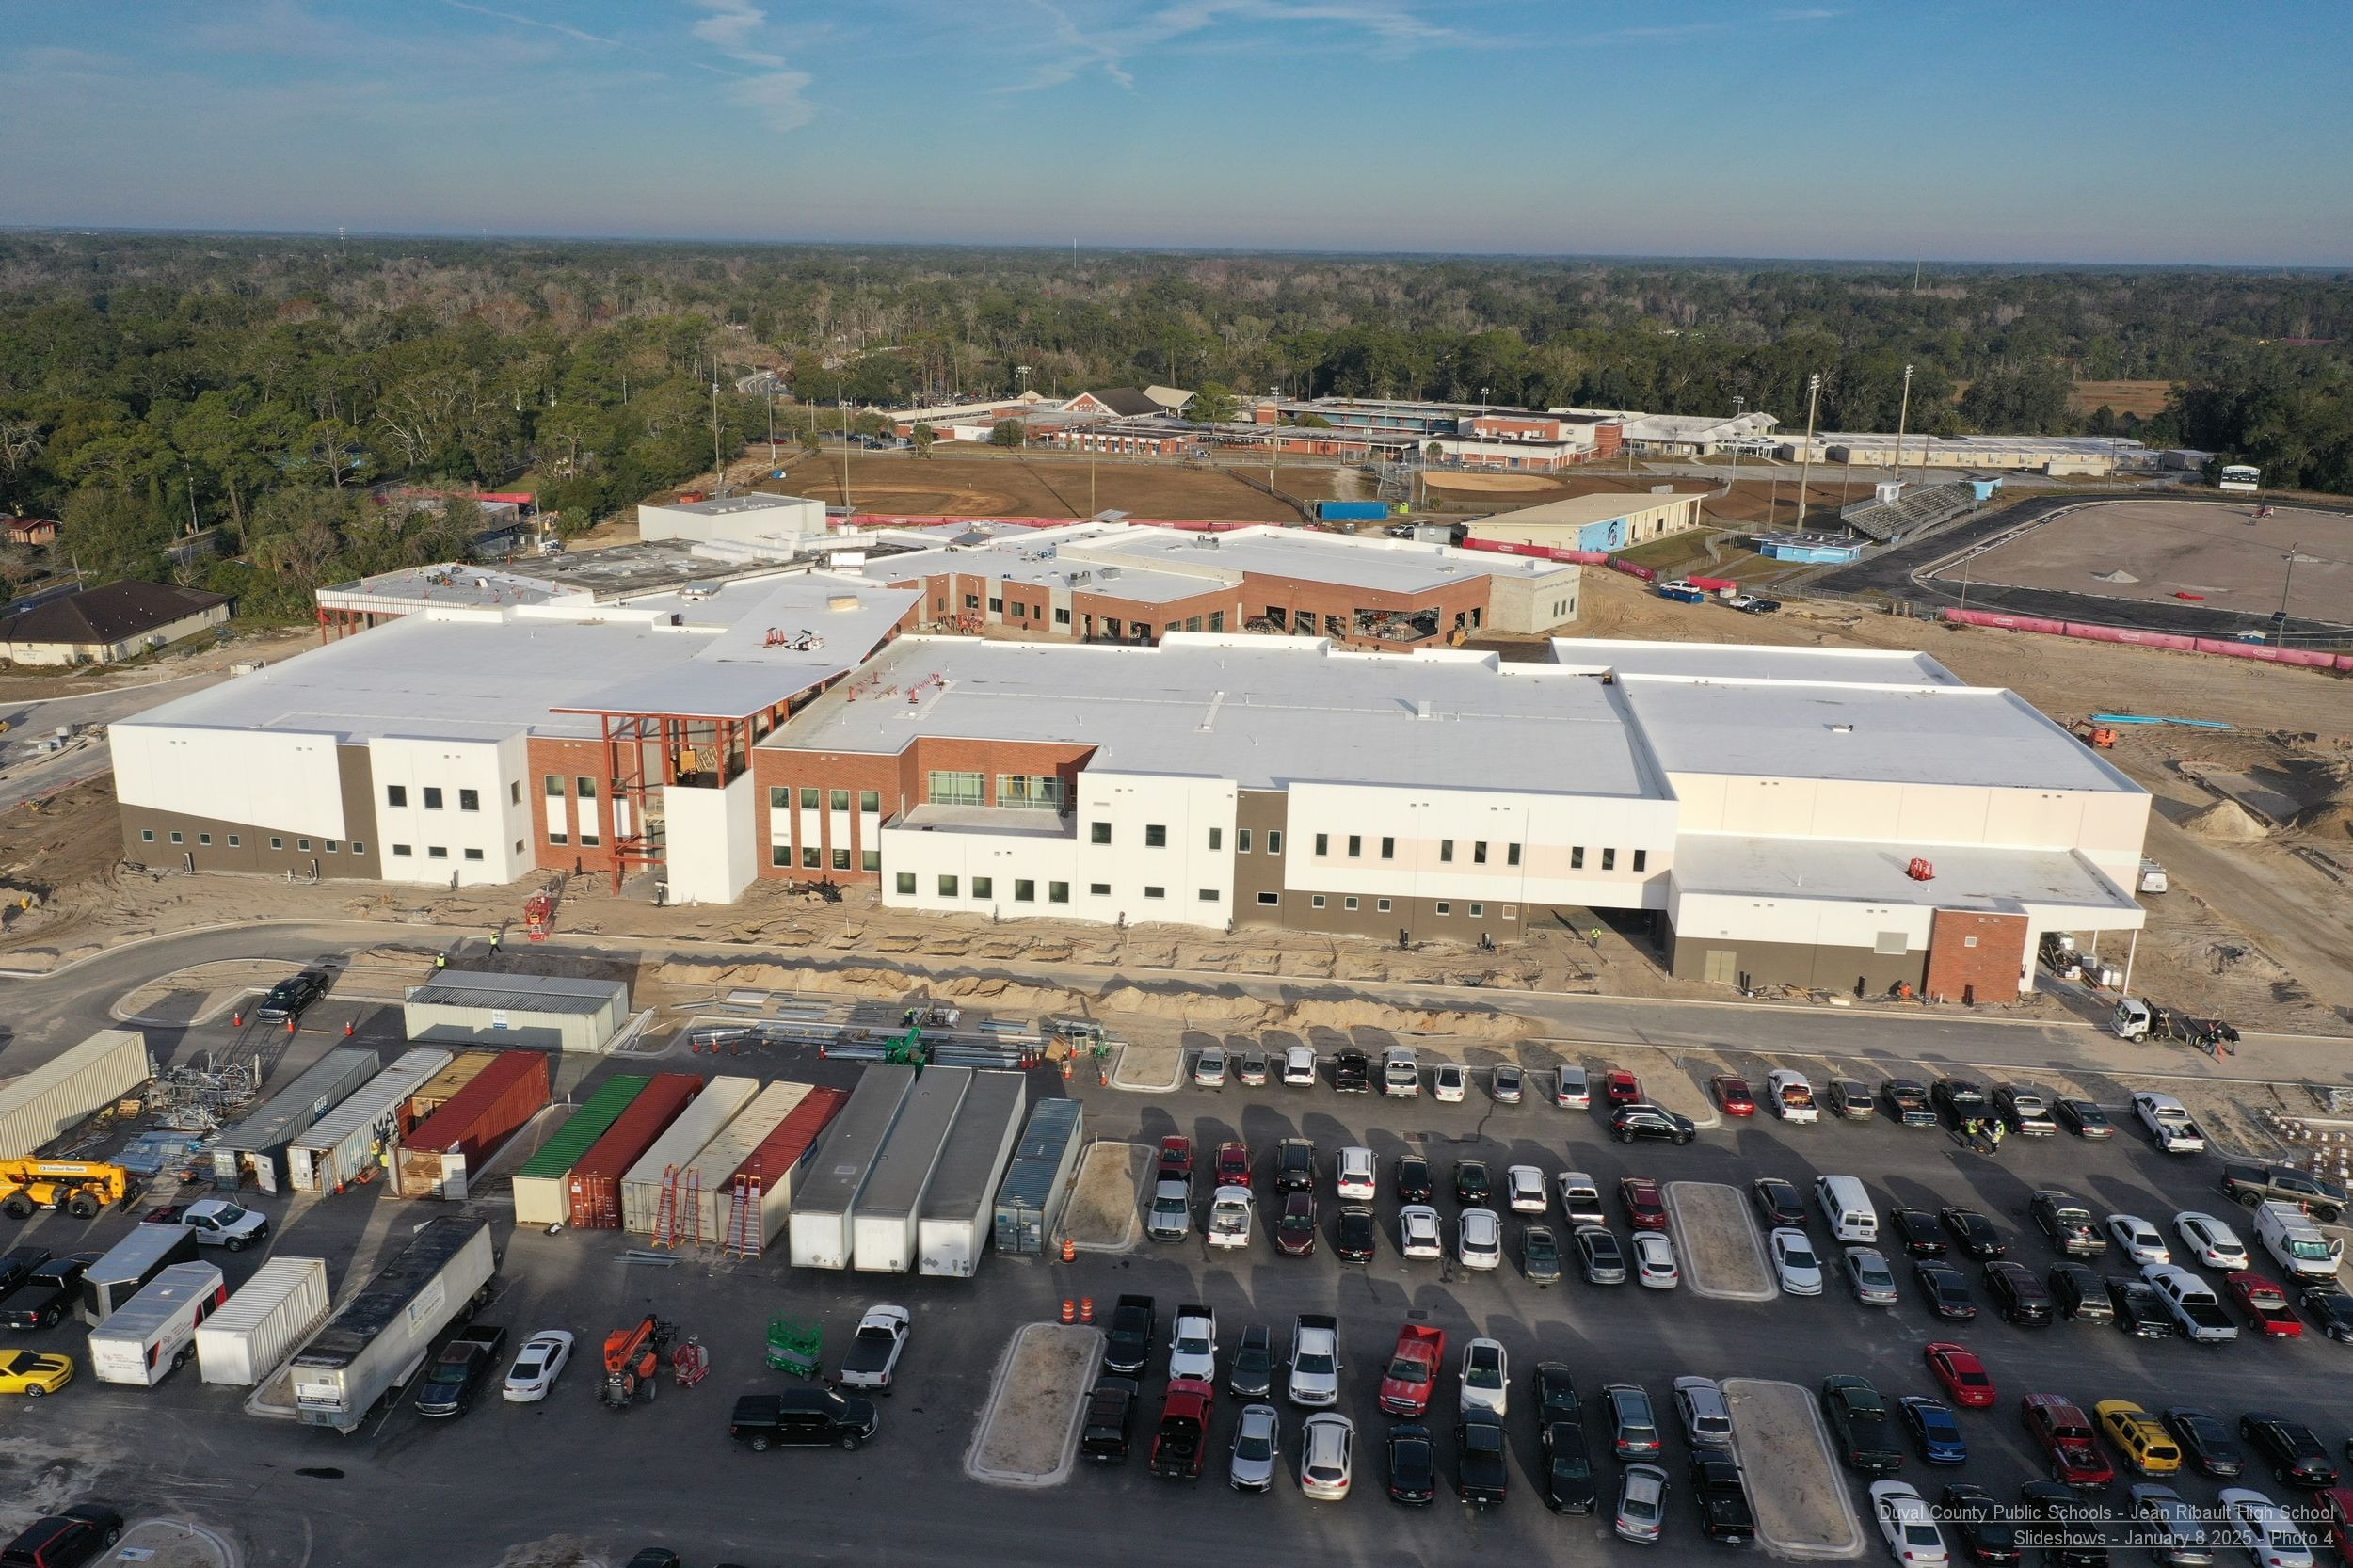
(475, 1121)
(776, 1162)
(594, 1184)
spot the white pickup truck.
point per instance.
(215, 1222)
(2194, 1307)
(874, 1352)
(2168, 1121)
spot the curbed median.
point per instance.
(1721, 1254)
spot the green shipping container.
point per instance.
(541, 1195)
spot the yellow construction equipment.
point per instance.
(80, 1186)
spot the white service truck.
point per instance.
(2296, 1242)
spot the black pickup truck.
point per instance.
(457, 1369)
(1352, 1071)
(2252, 1186)
(1722, 1496)
(1128, 1345)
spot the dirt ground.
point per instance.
(1805, 1512)
(1025, 1435)
(1720, 1250)
(2163, 552)
(193, 657)
(2145, 398)
(1033, 484)
(1102, 1215)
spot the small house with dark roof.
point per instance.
(1117, 402)
(103, 626)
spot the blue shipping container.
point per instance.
(1352, 511)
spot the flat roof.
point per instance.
(726, 506)
(1576, 511)
(1754, 662)
(1265, 712)
(519, 993)
(1966, 877)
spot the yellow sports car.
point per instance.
(34, 1373)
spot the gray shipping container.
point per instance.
(129, 1264)
(54, 1096)
(953, 1223)
(882, 1224)
(348, 1139)
(828, 1190)
(1037, 1184)
(679, 1146)
(257, 1146)
(381, 1337)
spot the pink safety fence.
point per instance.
(2261, 652)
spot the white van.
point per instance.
(155, 1331)
(2295, 1242)
(1848, 1207)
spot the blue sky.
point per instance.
(2039, 131)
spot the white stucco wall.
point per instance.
(498, 830)
(271, 778)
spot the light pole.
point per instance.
(1903, 413)
(846, 452)
(772, 420)
(2281, 620)
(1813, 397)
(1739, 410)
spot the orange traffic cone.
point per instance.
(290, 1026)
(1069, 1310)
(347, 1032)
(1086, 1309)
(1069, 1249)
(237, 1018)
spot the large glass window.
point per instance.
(870, 801)
(907, 883)
(584, 787)
(1030, 790)
(551, 783)
(779, 796)
(954, 789)
(842, 800)
(810, 795)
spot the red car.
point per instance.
(1644, 1207)
(1733, 1096)
(2338, 1500)
(2062, 1432)
(1620, 1087)
(1233, 1164)
(1175, 1159)
(2266, 1305)
(1413, 1370)
(1962, 1375)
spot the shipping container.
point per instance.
(255, 1149)
(674, 1152)
(713, 1170)
(151, 1334)
(772, 1172)
(54, 1098)
(1352, 511)
(837, 1168)
(442, 1087)
(264, 1322)
(382, 1335)
(439, 1154)
(1037, 1184)
(543, 1194)
(593, 1191)
(129, 1265)
(882, 1223)
(358, 1135)
(952, 1226)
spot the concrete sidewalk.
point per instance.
(173, 1544)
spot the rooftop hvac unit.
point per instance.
(842, 602)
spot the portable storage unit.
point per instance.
(713, 1170)
(593, 1191)
(838, 1167)
(952, 1226)
(542, 1187)
(675, 1150)
(152, 1333)
(882, 1223)
(777, 1165)
(352, 1137)
(466, 1007)
(52, 1098)
(1038, 1183)
(129, 1265)
(439, 1153)
(381, 1337)
(256, 1146)
(264, 1322)
(443, 1086)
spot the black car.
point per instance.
(2017, 1294)
(656, 1556)
(1864, 1433)
(65, 1540)
(1472, 1185)
(1652, 1124)
(1908, 1102)
(48, 1293)
(289, 997)
(1555, 1393)
(2139, 1310)
(2067, 1222)
(17, 1265)
(1916, 1232)
(1945, 1290)
(1568, 1466)
(1959, 1099)
(1354, 1240)
(1294, 1165)
(457, 1369)
(2084, 1119)
(2071, 1531)
(1413, 1465)
(1481, 1458)
(1779, 1201)
(2330, 1308)
(2079, 1294)
(1411, 1175)
(2206, 1443)
(1250, 1375)
(801, 1417)
(1972, 1232)
(1111, 1420)
(2297, 1457)
(1721, 1495)
(1981, 1523)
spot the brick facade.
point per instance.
(1971, 953)
(899, 784)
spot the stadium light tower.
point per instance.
(1813, 397)
(1903, 412)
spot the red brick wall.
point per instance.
(1321, 600)
(899, 780)
(570, 760)
(1992, 967)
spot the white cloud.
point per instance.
(1106, 43)
(776, 97)
(730, 28)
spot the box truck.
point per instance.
(149, 1336)
(819, 1224)
(882, 1221)
(273, 1312)
(382, 1335)
(125, 1268)
(1038, 1183)
(953, 1223)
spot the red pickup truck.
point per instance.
(1183, 1435)
(2063, 1434)
(1413, 1370)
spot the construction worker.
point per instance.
(440, 962)
(496, 936)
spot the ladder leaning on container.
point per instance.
(678, 1198)
(744, 1223)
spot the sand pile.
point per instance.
(2226, 821)
(2331, 814)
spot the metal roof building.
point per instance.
(461, 1007)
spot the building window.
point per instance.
(274, 844)
(780, 854)
(955, 789)
(1208, 895)
(947, 886)
(971, 601)
(360, 848)
(842, 859)
(1511, 855)
(235, 842)
(204, 838)
(396, 794)
(303, 845)
(869, 859)
(1242, 840)
(556, 835)
(1576, 857)
(1020, 611)
(1356, 846)
(436, 853)
(474, 855)
(1380, 905)
(996, 605)
(1193, 623)
(907, 883)
(1609, 859)
(1062, 618)
(1217, 620)
(515, 792)
(1029, 791)
(333, 845)
(1479, 851)
(1642, 859)
(470, 800)
(779, 796)
(147, 834)
(1270, 898)
(1323, 843)
(400, 852)
(1155, 836)
(433, 797)
(1155, 892)
(1477, 911)
(1274, 840)
(1510, 911)
(1446, 851)
(1388, 848)
(554, 784)
(870, 802)
(1315, 902)
(1445, 908)
(1098, 890)
(841, 800)
(587, 838)
(1058, 892)
(1099, 833)
(810, 795)
(1217, 838)
(1350, 902)
(810, 857)
(1024, 890)
(984, 887)
(584, 787)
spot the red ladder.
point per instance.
(666, 1213)
(744, 1223)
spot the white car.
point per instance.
(1447, 1084)
(1417, 1234)
(536, 1367)
(1874, 1282)
(1572, 1090)
(1354, 1175)
(2137, 1240)
(1794, 1260)
(1581, 1199)
(1326, 1457)
(1479, 1238)
(1208, 1068)
(2217, 1245)
(1233, 1215)
(1192, 1344)
(2263, 1528)
(1487, 1376)
(1908, 1527)
(1654, 1260)
(216, 1223)
(1524, 1187)
(1299, 1068)
(1791, 1094)
(1315, 1363)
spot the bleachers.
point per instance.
(1908, 514)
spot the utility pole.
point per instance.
(2286, 578)
(845, 453)
(1903, 413)
(772, 420)
(1813, 397)
(718, 462)
(190, 474)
